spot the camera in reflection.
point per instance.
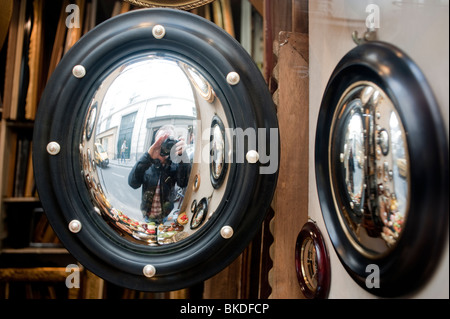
(167, 145)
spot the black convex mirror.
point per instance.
(382, 169)
(137, 84)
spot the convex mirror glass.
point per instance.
(370, 168)
(142, 127)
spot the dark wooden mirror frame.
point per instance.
(60, 118)
(411, 262)
(310, 231)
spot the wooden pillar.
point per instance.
(291, 198)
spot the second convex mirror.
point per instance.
(142, 155)
(382, 165)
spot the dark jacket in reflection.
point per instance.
(146, 173)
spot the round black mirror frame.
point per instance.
(415, 256)
(247, 104)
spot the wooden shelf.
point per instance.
(52, 274)
(35, 250)
(21, 200)
(20, 124)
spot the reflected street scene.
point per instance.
(139, 145)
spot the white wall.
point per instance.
(418, 27)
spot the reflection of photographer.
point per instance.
(158, 175)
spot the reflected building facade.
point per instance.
(133, 113)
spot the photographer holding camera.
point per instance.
(158, 175)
